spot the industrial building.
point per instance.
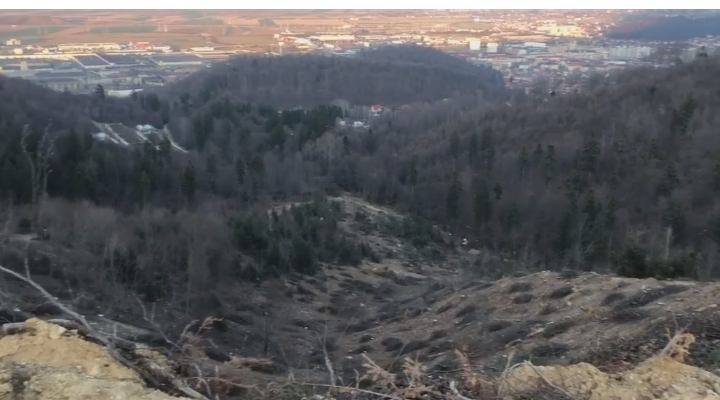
(91, 61)
(172, 60)
(62, 80)
(87, 47)
(333, 38)
(629, 52)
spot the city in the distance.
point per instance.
(128, 50)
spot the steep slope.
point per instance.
(591, 180)
(586, 335)
(564, 180)
(52, 363)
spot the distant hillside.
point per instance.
(33, 20)
(392, 75)
(667, 29)
(23, 102)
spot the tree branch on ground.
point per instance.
(107, 341)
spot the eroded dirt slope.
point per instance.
(49, 362)
(419, 305)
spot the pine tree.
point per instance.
(188, 182)
(669, 180)
(165, 147)
(715, 176)
(145, 186)
(609, 220)
(72, 157)
(200, 132)
(538, 155)
(674, 217)
(487, 148)
(240, 171)
(591, 207)
(549, 164)
(370, 143)
(680, 121)
(482, 204)
(455, 144)
(591, 211)
(277, 137)
(523, 162)
(590, 153)
(599, 243)
(453, 199)
(346, 145)
(566, 235)
(498, 191)
(412, 171)
(211, 166)
(472, 148)
(100, 92)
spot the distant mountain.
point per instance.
(32, 20)
(667, 28)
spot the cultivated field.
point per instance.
(185, 28)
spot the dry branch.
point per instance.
(106, 341)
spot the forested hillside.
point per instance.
(667, 29)
(391, 75)
(314, 242)
(623, 176)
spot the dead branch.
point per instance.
(456, 392)
(186, 339)
(106, 341)
(13, 328)
(547, 382)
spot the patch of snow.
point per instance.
(102, 136)
(116, 136)
(141, 135)
(167, 134)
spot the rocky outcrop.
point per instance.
(49, 362)
(657, 378)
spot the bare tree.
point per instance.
(39, 167)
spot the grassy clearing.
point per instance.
(31, 32)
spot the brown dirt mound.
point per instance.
(51, 363)
(657, 378)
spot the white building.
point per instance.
(334, 38)
(121, 93)
(629, 52)
(474, 45)
(88, 46)
(492, 47)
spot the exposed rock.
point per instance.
(656, 378)
(51, 363)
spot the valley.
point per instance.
(232, 235)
